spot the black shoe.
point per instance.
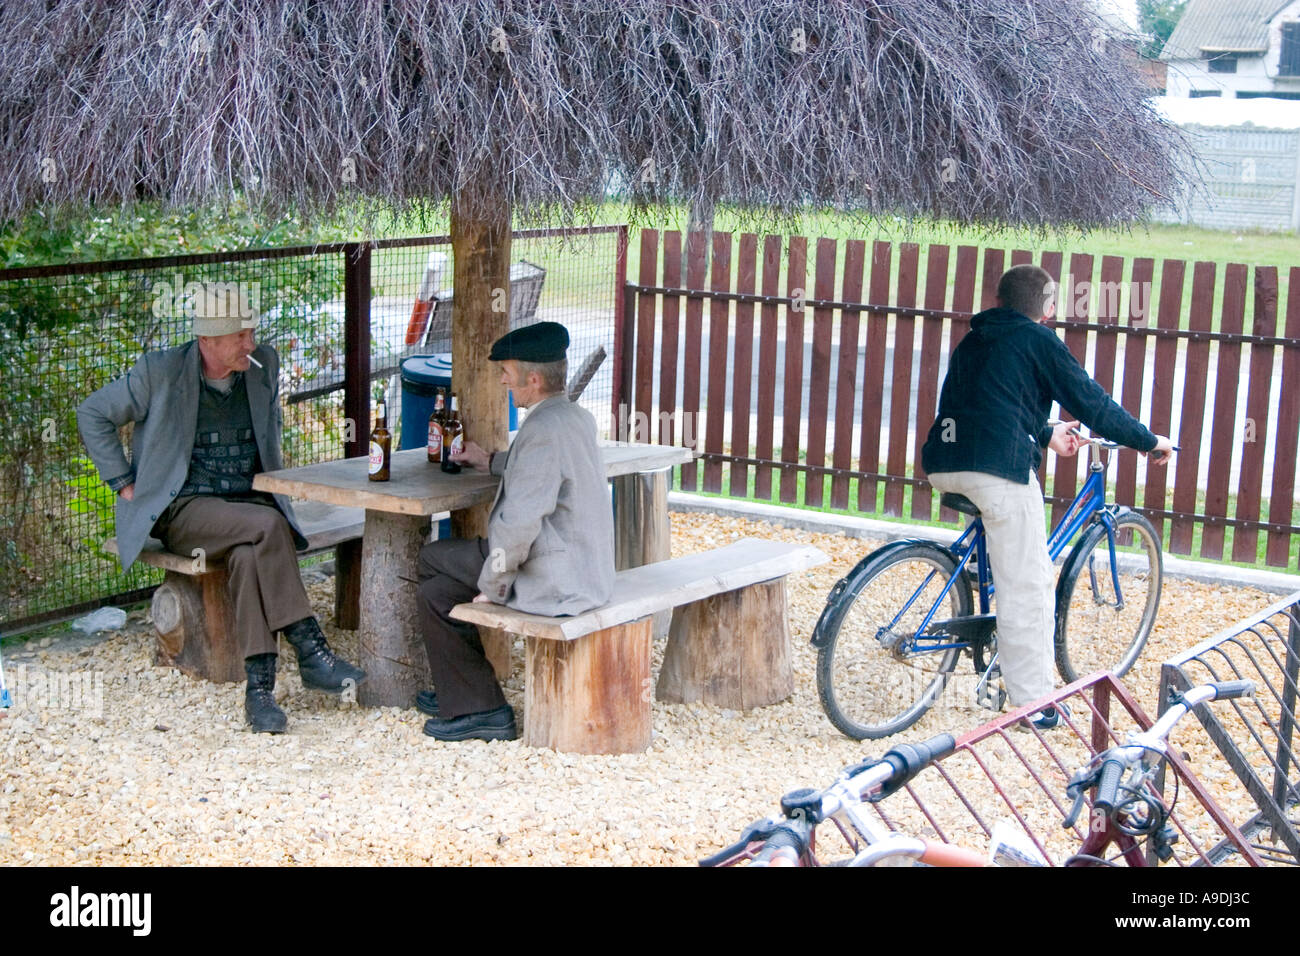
(260, 708)
(426, 702)
(317, 665)
(496, 724)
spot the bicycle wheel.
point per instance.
(1096, 628)
(871, 680)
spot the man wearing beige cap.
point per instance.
(207, 419)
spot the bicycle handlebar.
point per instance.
(785, 839)
(1115, 760)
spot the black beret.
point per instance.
(542, 342)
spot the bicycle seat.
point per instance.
(950, 499)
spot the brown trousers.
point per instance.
(448, 570)
(255, 542)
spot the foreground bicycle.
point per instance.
(1127, 810)
(894, 628)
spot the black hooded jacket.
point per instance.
(1001, 382)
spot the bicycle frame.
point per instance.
(1089, 502)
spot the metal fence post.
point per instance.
(356, 339)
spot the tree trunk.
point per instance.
(480, 246)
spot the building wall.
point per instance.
(1254, 73)
(1250, 179)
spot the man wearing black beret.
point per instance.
(550, 543)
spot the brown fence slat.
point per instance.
(873, 374)
(1169, 316)
(645, 336)
(1245, 543)
(1196, 367)
(900, 401)
(763, 439)
(1135, 357)
(846, 391)
(927, 385)
(796, 278)
(819, 373)
(743, 363)
(691, 348)
(719, 335)
(1287, 446)
(963, 304)
(1223, 435)
(1021, 257)
(668, 338)
(1074, 305)
(993, 269)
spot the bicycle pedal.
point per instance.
(989, 692)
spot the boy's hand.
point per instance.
(1163, 451)
(1064, 442)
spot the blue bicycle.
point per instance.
(894, 628)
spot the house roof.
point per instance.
(1222, 26)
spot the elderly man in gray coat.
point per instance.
(550, 543)
(206, 421)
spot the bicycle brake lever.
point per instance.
(1073, 815)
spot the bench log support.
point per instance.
(194, 620)
(730, 650)
(590, 695)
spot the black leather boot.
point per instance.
(260, 708)
(319, 668)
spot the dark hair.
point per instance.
(1026, 289)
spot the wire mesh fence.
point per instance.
(68, 330)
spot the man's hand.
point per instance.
(1064, 442)
(474, 456)
(1163, 451)
(482, 599)
(128, 492)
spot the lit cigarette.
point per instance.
(255, 362)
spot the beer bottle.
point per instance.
(381, 445)
(435, 427)
(453, 438)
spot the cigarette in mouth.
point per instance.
(255, 362)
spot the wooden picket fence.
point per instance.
(670, 378)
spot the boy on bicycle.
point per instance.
(986, 443)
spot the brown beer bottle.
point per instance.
(453, 437)
(381, 445)
(435, 427)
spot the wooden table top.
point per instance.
(416, 487)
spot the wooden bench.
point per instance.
(587, 678)
(192, 611)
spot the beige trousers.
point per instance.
(1023, 576)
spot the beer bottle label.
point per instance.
(458, 444)
(376, 458)
(435, 438)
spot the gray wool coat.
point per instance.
(161, 395)
(551, 532)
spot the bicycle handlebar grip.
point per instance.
(1229, 689)
(907, 760)
(949, 854)
(1108, 785)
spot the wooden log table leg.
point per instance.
(392, 654)
(193, 617)
(730, 650)
(590, 695)
(642, 529)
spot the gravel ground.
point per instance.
(111, 760)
